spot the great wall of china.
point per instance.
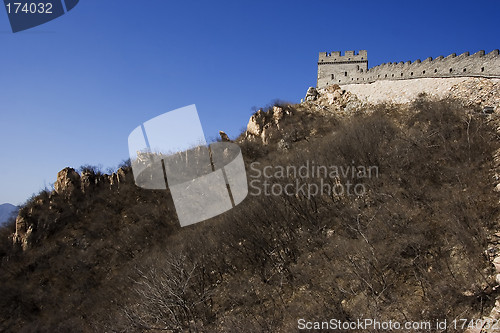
(352, 67)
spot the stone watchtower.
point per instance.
(335, 68)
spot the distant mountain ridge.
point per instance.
(6, 211)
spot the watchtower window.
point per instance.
(392, 75)
(423, 72)
(465, 70)
(332, 77)
(345, 73)
(435, 71)
(385, 75)
(357, 67)
(411, 73)
(482, 69)
(451, 70)
(401, 74)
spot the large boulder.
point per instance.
(334, 98)
(68, 182)
(311, 94)
(262, 124)
(256, 123)
(224, 137)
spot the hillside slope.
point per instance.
(100, 254)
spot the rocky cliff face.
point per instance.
(262, 123)
(70, 186)
(268, 125)
(337, 99)
(69, 183)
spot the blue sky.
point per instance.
(73, 89)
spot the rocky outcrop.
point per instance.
(278, 114)
(69, 186)
(262, 124)
(23, 232)
(122, 176)
(335, 99)
(91, 180)
(68, 182)
(311, 94)
(224, 137)
(256, 123)
(267, 126)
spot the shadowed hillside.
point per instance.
(100, 254)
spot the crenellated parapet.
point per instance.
(337, 57)
(336, 69)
